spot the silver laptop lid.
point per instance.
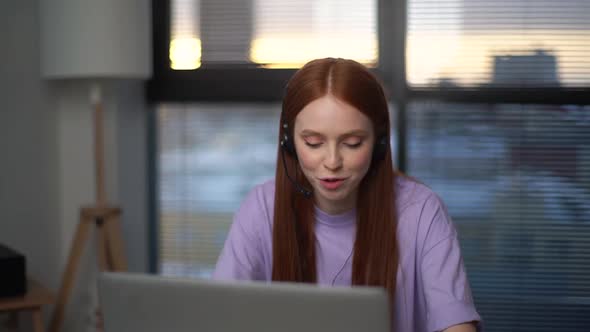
(149, 303)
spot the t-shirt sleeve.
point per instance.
(446, 288)
(241, 257)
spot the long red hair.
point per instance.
(375, 257)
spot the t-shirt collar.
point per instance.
(344, 218)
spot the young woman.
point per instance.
(338, 214)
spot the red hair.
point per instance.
(375, 257)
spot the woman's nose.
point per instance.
(333, 160)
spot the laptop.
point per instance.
(149, 303)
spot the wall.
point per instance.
(46, 161)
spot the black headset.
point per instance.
(288, 145)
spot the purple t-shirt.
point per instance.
(432, 289)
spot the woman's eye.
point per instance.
(313, 145)
(354, 145)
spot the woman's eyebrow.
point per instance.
(308, 132)
(358, 132)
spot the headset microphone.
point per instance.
(306, 193)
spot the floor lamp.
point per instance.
(96, 42)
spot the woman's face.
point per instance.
(334, 142)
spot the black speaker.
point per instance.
(13, 275)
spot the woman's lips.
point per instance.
(332, 183)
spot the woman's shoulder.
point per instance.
(419, 209)
(265, 192)
(258, 205)
(422, 214)
(411, 193)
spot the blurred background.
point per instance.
(489, 104)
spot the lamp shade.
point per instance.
(96, 39)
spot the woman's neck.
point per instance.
(336, 207)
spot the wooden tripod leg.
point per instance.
(37, 317)
(102, 248)
(104, 265)
(69, 275)
(114, 243)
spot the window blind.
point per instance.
(271, 33)
(516, 180)
(210, 156)
(501, 43)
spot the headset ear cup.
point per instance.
(291, 149)
(287, 144)
(380, 149)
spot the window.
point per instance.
(210, 156)
(492, 110)
(516, 179)
(511, 164)
(271, 33)
(505, 43)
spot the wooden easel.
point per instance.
(104, 217)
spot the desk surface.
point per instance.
(36, 296)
